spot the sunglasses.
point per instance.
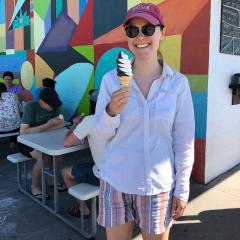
(147, 30)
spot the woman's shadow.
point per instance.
(222, 224)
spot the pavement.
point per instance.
(213, 211)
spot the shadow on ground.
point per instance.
(23, 219)
(210, 225)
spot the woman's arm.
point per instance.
(183, 141)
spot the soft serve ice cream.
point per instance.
(124, 69)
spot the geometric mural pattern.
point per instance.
(77, 42)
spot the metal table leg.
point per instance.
(55, 182)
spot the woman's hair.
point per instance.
(2, 89)
(159, 55)
(8, 73)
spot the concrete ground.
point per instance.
(212, 214)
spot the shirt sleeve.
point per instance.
(57, 112)
(19, 89)
(183, 141)
(27, 114)
(84, 127)
(105, 125)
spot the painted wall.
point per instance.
(77, 42)
(223, 132)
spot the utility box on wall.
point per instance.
(235, 86)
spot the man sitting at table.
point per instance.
(39, 116)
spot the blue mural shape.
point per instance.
(2, 11)
(71, 84)
(200, 111)
(82, 5)
(47, 20)
(12, 62)
(21, 21)
(57, 40)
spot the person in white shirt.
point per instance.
(149, 126)
(83, 172)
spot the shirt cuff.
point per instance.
(182, 193)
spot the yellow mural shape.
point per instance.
(42, 70)
(153, 1)
(27, 75)
(170, 48)
(132, 3)
(2, 30)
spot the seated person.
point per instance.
(48, 83)
(83, 172)
(39, 116)
(11, 87)
(9, 114)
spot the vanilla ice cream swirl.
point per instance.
(124, 65)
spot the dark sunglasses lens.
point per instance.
(148, 30)
(131, 31)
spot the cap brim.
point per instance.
(145, 16)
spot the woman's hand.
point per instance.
(178, 207)
(118, 101)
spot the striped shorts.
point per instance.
(151, 213)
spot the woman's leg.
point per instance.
(116, 212)
(123, 231)
(163, 236)
(154, 213)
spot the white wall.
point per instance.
(223, 119)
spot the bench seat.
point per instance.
(84, 191)
(17, 158)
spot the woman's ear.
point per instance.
(163, 33)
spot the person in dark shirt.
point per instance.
(39, 116)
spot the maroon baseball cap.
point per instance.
(148, 11)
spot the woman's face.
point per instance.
(144, 46)
(8, 81)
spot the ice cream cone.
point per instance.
(125, 81)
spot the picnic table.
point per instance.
(50, 143)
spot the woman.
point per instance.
(150, 130)
(11, 87)
(9, 114)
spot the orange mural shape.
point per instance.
(114, 36)
(19, 39)
(179, 14)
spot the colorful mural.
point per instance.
(77, 42)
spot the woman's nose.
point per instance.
(140, 35)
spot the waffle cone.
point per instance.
(125, 81)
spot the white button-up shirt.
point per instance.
(150, 145)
